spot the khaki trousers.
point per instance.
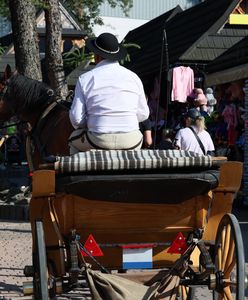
(80, 140)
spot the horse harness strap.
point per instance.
(34, 133)
(29, 153)
(2, 94)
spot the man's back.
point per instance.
(109, 101)
(114, 98)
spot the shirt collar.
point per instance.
(107, 62)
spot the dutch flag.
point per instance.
(137, 256)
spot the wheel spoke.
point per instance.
(226, 245)
(223, 237)
(229, 269)
(230, 255)
(219, 256)
(184, 293)
(227, 293)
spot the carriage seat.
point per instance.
(156, 176)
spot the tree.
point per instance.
(25, 38)
(53, 59)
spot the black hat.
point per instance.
(193, 113)
(106, 45)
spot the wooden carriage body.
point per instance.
(123, 207)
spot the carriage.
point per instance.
(136, 224)
(100, 215)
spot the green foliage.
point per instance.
(75, 57)
(40, 4)
(4, 8)
(87, 11)
(2, 49)
(128, 45)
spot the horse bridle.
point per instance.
(3, 92)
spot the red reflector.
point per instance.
(30, 174)
(92, 247)
(179, 245)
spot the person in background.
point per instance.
(166, 142)
(109, 101)
(194, 136)
(146, 129)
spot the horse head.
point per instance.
(34, 103)
(23, 97)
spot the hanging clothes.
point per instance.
(230, 117)
(182, 83)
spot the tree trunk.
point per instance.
(54, 61)
(25, 38)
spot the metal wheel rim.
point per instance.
(40, 260)
(229, 253)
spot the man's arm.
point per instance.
(143, 109)
(78, 109)
(177, 141)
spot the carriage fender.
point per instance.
(43, 183)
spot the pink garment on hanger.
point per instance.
(182, 83)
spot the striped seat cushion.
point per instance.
(104, 160)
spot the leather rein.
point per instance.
(33, 137)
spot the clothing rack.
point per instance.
(196, 65)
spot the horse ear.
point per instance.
(7, 72)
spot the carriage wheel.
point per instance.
(229, 260)
(40, 264)
(186, 293)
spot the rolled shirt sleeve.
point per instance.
(143, 109)
(77, 112)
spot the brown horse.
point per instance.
(47, 119)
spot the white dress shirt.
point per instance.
(109, 99)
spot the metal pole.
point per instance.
(164, 46)
(245, 176)
(167, 78)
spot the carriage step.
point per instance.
(28, 271)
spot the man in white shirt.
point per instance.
(109, 102)
(194, 137)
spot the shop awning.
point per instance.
(194, 36)
(232, 65)
(228, 75)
